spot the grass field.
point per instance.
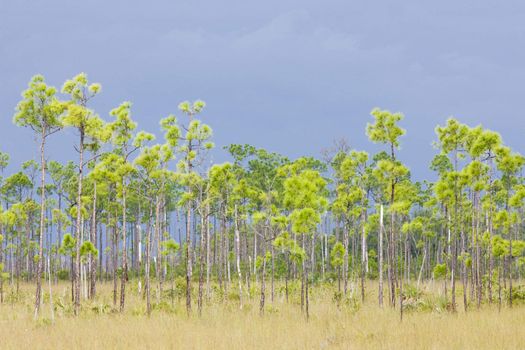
(332, 325)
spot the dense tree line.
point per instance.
(133, 209)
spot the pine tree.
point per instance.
(40, 110)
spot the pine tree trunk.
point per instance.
(263, 278)
(381, 256)
(115, 261)
(76, 271)
(510, 268)
(158, 266)
(238, 254)
(202, 251)
(307, 299)
(147, 284)
(93, 259)
(346, 228)
(124, 276)
(364, 256)
(38, 292)
(188, 259)
(392, 259)
(208, 266)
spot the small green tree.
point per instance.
(336, 260)
(169, 250)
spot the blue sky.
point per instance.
(289, 76)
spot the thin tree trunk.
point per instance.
(346, 228)
(38, 292)
(364, 255)
(307, 298)
(207, 251)
(381, 256)
(124, 276)
(238, 254)
(510, 268)
(147, 284)
(93, 259)
(51, 305)
(76, 270)
(188, 258)
(158, 261)
(203, 249)
(263, 277)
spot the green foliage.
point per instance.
(337, 255)
(40, 109)
(440, 271)
(170, 247)
(87, 248)
(385, 129)
(68, 245)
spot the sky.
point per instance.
(288, 76)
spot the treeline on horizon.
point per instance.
(135, 209)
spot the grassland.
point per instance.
(334, 324)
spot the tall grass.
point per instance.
(335, 323)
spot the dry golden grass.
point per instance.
(224, 326)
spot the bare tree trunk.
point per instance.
(302, 275)
(158, 266)
(188, 258)
(115, 261)
(392, 264)
(510, 268)
(364, 255)
(38, 292)
(287, 276)
(218, 246)
(263, 278)
(248, 258)
(381, 256)
(323, 258)
(238, 254)
(422, 264)
(138, 240)
(207, 251)
(392, 243)
(51, 306)
(346, 228)
(453, 274)
(124, 276)
(464, 276)
(307, 298)
(203, 249)
(273, 271)
(92, 258)
(224, 251)
(401, 285)
(147, 284)
(76, 271)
